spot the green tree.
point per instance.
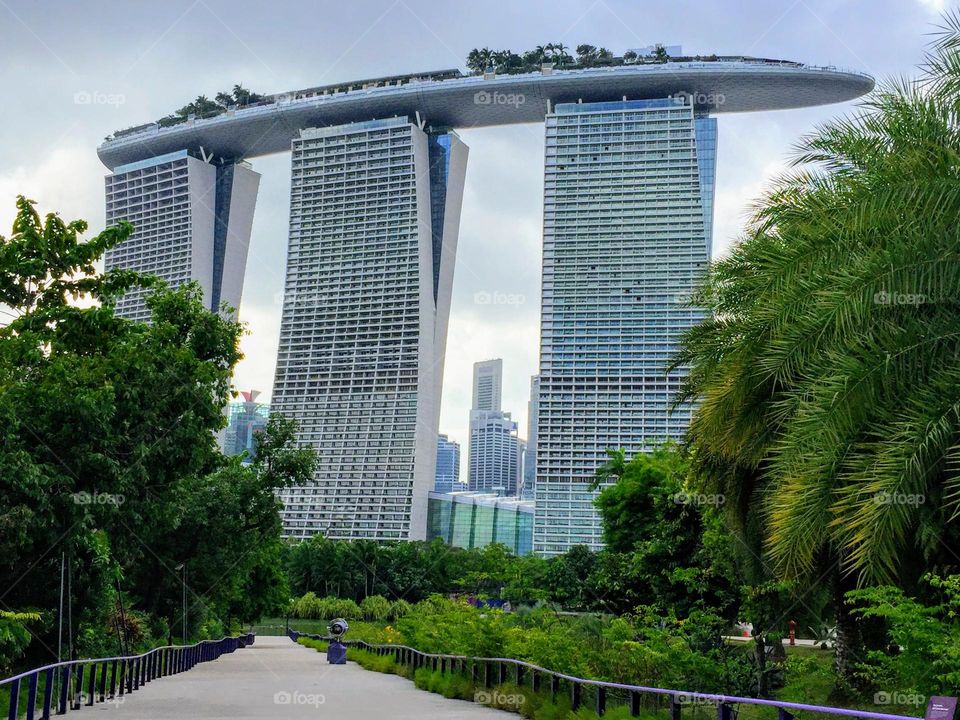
(108, 457)
(826, 381)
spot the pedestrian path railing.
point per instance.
(74, 684)
(488, 673)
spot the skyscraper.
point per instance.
(192, 221)
(530, 455)
(447, 477)
(494, 453)
(374, 216)
(627, 220)
(487, 385)
(375, 208)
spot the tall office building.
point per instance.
(374, 217)
(627, 221)
(530, 454)
(487, 385)
(447, 476)
(192, 221)
(494, 453)
(247, 417)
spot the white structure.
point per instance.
(192, 221)
(494, 453)
(494, 457)
(487, 385)
(530, 453)
(374, 217)
(627, 221)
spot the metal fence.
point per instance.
(73, 684)
(491, 672)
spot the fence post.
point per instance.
(783, 713)
(535, 680)
(32, 695)
(14, 711)
(92, 684)
(635, 705)
(64, 689)
(675, 708)
(48, 694)
(501, 672)
(554, 687)
(601, 700)
(724, 711)
(575, 693)
(77, 697)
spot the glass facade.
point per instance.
(628, 195)
(448, 466)
(472, 520)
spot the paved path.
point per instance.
(277, 678)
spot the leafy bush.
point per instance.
(398, 608)
(375, 607)
(923, 657)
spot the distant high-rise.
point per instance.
(530, 454)
(493, 456)
(247, 417)
(374, 216)
(487, 385)
(627, 219)
(494, 453)
(448, 466)
(192, 221)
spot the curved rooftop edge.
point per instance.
(745, 85)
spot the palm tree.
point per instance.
(826, 378)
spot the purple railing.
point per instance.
(126, 674)
(497, 668)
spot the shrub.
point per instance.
(375, 607)
(398, 608)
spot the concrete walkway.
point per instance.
(277, 678)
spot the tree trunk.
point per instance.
(849, 648)
(760, 648)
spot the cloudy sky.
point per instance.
(141, 60)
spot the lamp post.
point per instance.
(182, 567)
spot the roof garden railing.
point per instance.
(491, 672)
(72, 684)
